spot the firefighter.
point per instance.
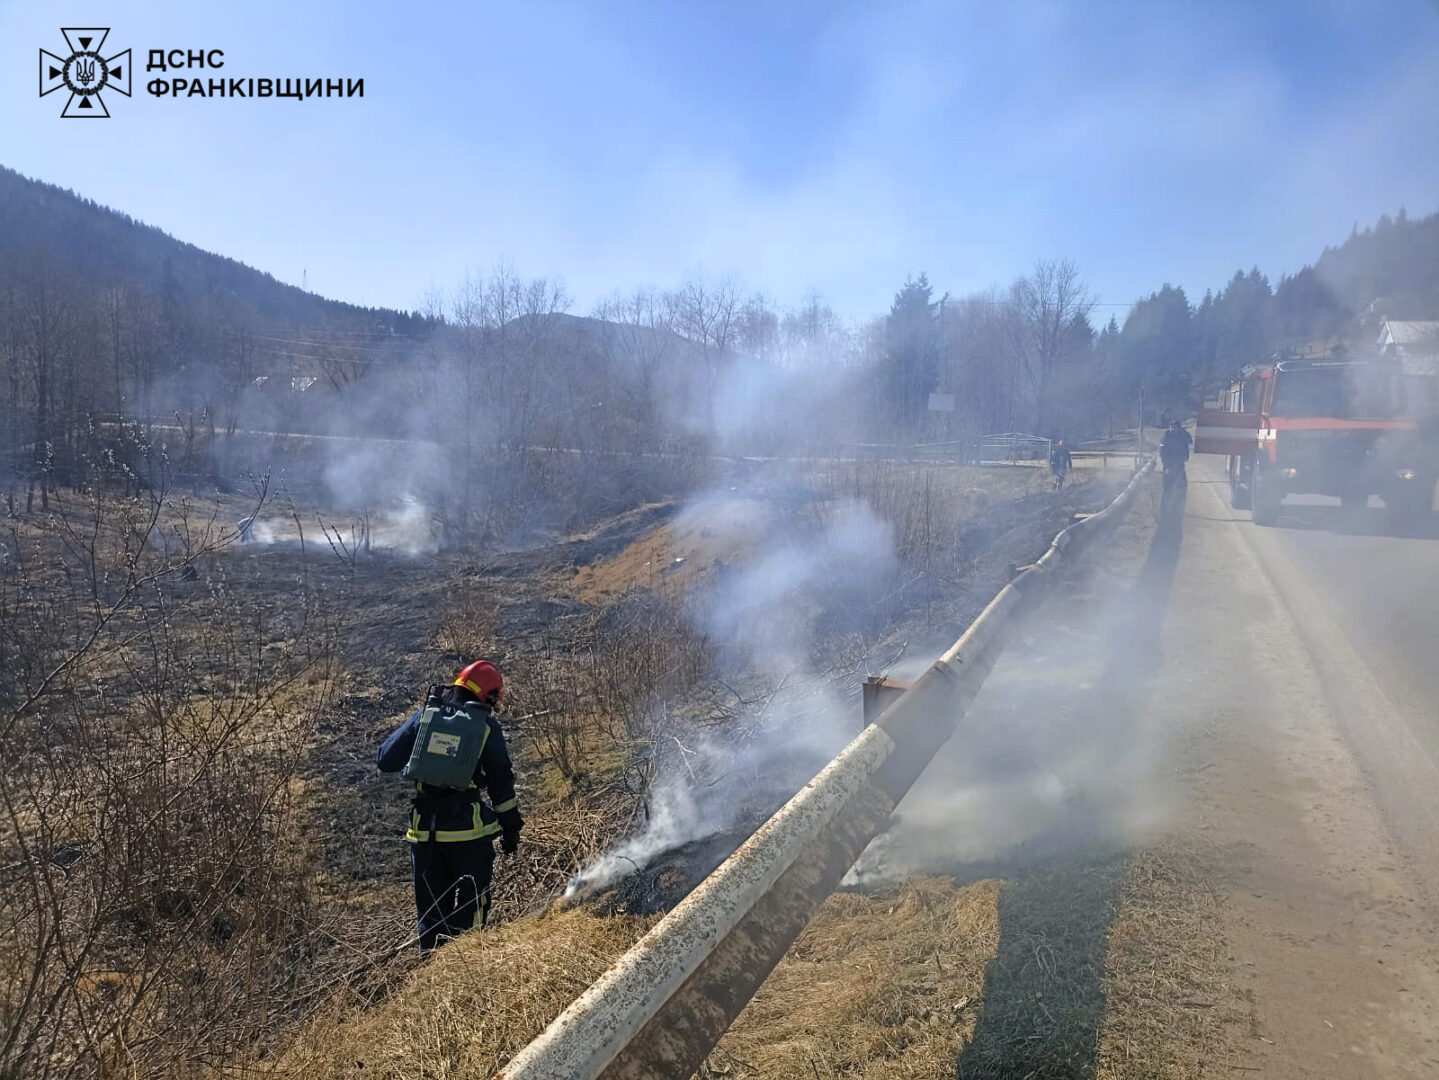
(452, 832)
(1060, 463)
(1173, 453)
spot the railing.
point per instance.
(662, 1007)
(1011, 447)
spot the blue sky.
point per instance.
(829, 146)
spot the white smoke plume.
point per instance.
(761, 613)
(1059, 753)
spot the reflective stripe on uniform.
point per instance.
(482, 910)
(477, 831)
(508, 804)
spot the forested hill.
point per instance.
(1168, 344)
(1394, 265)
(47, 228)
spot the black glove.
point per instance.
(510, 825)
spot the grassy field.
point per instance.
(251, 848)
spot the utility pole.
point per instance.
(1139, 458)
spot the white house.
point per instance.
(1415, 342)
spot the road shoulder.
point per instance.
(1329, 955)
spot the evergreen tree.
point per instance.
(911, 358)
(1160, 348)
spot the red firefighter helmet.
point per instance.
(483, 680)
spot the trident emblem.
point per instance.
(85, 73)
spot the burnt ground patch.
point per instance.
(390, 607)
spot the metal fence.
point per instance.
(1012, 447)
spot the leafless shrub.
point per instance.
(155, 904)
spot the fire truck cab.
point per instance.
(1347, 428)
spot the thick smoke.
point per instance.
(810, 559)
(760, 617)
(1059, 753)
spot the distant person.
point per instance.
(1060, 463)
(1173, 453)
(451, 747)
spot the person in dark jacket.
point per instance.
(1173, 453)
(452, 833)
(1060, 463)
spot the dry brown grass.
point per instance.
(877, 986)
(469, 1009)
(672, 557)
(1096, 967)
(1100, 967)
(1167, 992)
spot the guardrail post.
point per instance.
(879, 694)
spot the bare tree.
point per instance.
(706, 313)
(46, 321)
(534, 367)
(978, 361)
(1047, 306)
(468, 312)
(639, 343)
(757, 329)
(812, 334)
(506, 355)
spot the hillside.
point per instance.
(104, 317)
(41, 223)
(1394, 264)
(1167, 345)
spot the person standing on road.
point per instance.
(452, 747)
(1173, 453)
(1060, 463)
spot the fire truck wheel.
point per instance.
(1410, 516)
(1266, 501)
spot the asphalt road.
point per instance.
(1366, 603)
(1266, 696)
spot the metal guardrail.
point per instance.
(661, 1008)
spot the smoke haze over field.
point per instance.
(692, 362)
(1059, 753)
(793, 204)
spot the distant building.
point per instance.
(1414, 342)
(1333, 347)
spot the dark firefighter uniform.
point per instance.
(452, 833)
(1060, 461)
(1173, 453)
(1174, 447)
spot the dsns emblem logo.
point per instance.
(85, 74)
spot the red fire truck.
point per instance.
(1351, 428)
